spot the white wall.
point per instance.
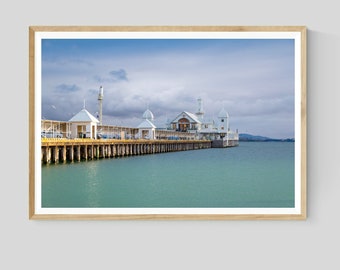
(311, 244)
(87, 130)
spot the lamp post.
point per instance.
(100, 100)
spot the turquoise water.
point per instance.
(254, 174)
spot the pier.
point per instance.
(55, 150)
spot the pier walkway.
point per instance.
(69, 150)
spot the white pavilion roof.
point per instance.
(146, 124)
(192, 117)
(84, 116)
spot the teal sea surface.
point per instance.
(254, 174)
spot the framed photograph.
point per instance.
(167, 122)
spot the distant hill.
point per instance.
(256, 138)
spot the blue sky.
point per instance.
(253, 79)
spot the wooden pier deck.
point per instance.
(71, 150)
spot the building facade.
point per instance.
(217, 129)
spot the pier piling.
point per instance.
(66, 150)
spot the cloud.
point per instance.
(254, 83)
(119, 75)
(67, 88)
(113, 76)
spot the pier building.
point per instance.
(147, 129)
(62, 130)
(83, 125)
(216, 130)
(185, 126)
(84, 137)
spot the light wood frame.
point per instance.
(33, 30)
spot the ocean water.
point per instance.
(254, 174)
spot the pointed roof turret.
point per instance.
(223, 114)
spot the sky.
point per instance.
(253, 79)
